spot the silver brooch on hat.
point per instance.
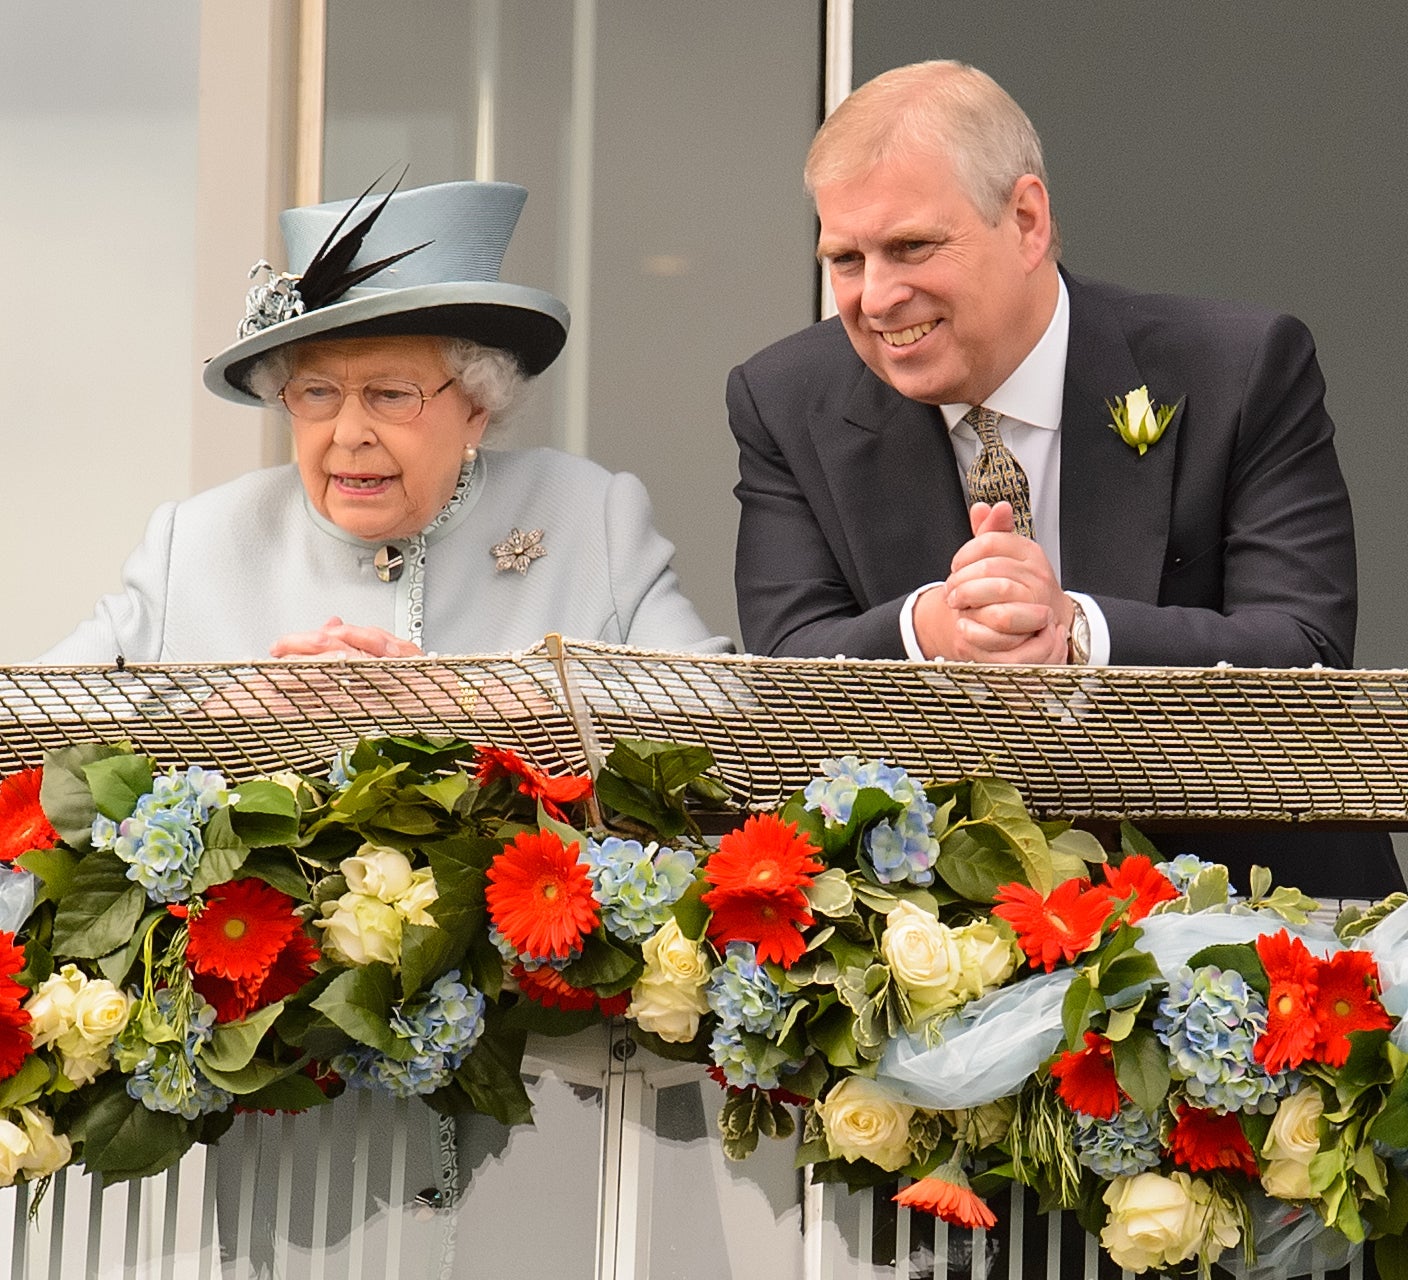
(272, 302)
(518, 550)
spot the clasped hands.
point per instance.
(338, 640)
(1001, 602)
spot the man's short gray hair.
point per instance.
(940, 108)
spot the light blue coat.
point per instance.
(219, 576)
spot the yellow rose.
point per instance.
(29, 1146)
(669, 999)
(51, 1006)
(379, 871)
(414, 902)
(361, 929)
(1291, 1144)
(926, 960)
(865, 1121)
(989, 959)
(100, 1013)
(1157, 1221)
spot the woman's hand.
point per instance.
(336, 639)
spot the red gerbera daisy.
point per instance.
(758, 874)
(1202, 1140)
(23, 823)
(500, 762)
(1059, 926)
(540, 896)
(15, 1039)
(716, 1074)
(1289, 1038)
(953, 1201)
(1087, 1078)
(547, 987)
(1346, 1000)
(240, 930)
(1138, 876)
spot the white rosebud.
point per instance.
(865, 1121)
(989, 959)
(29, 1146)
(668, 998)
(377, 870)
(414, 902)
(1291, 1144)
(51, 1007)
(100, 1012)
(361, 929)
(1143, 426)
(1158, 1221)
(926, 960)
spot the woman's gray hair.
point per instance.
(489, 376)
(939, 108)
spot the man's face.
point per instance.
(937, 302)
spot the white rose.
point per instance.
(379, 871)
(31, 1147)
(864, 1121)
(414, 902)
(100, 1012)
(361, 929)
(669, 999)
(1143, 425)
(51, 1006)
(926, 960)
(989, 959)
(1292, 1143)
(84, 1069)
(1157, 1221)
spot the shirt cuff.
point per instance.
(911, 641)
(1099, 630)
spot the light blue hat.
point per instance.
(424, 261)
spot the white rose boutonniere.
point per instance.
(1139, 421)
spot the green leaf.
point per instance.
(427, 951)
(250, 1078)
(1132, 840)
(492, 1075)
(295, 1092)
(1390, 1126)
(276, 868)
(55, 869)
(233, 1044)
(1237, 956)
(1208, 888)
(117, 783)
(223, 855)
(975, 871)
(604, 967)
(1084, 845)
(998, 806)
(122, 1139)
(266, 813)
(1141, 1068)
(118, 964)
(1081, 1003)
(829, 894)
(65, 795)
(1391, 1257)
(359, 1002)
(528, 1015)
(446, 792)
(100, 909)
(26, 1084)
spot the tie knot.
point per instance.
(984, 423)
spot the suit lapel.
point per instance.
(1115, 503)
(891, 470)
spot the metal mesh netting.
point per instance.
(1101, 743)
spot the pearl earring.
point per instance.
(471, 455)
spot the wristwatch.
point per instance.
(1078, 646)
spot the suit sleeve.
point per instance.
(793, 595)
(130, 622)
(651, 610)
(1278, 560)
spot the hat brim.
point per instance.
(528, 323)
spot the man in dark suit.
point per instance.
(880, 511)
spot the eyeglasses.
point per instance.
(385, 399)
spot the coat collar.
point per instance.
(1115, 502)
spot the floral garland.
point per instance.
(955, 995)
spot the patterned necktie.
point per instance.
(996, 475)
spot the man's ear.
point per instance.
(1029, 207)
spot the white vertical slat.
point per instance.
(865, 1234)
(171, 1221)
(94, 1260)
(1016, 1222)
(941, 1242)
(1053, 1246)
(1092, 1257)
(131, 1198)
(581, 157)
(244, 1134)
(398, 1189)
(288, 1144)
(902, 1245)
(322, 1186)
(12, 1230)
(356, 1237)
(209, 1254)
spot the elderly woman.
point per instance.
(393, 346)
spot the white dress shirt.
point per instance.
(1030, 405)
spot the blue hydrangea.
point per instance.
(636, 885)
(514, 956)
(1210, 1021)
(440, 1028)
(341, 772)
(742, 995)
(899, 849)
(167, 1077)
(1122, 1147)
(161, 840)
(746, 1060)
(1182, 870)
